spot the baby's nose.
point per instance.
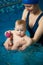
(19, 31)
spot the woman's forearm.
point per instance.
(29, 42)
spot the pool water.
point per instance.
(32, 55)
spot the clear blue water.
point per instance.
(32, 55)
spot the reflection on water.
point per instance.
(9, 5)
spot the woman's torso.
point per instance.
(32, 24)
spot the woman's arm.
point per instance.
(24, 15)
(39, 31)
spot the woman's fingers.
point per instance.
(22, 48)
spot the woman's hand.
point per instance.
(23, 47)
(22, 44)
(26, 43)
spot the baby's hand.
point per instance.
(8, 46)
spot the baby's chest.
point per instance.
(16, 38)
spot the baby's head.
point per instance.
(20, 27)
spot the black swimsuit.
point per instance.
(33, 29)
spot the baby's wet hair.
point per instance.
(21, 22)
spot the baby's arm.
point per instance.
(15, 46)
(8, 33)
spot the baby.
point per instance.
(17, 37)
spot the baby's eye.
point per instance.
(17, 30)
(21, 30)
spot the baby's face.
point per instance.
(20, 31)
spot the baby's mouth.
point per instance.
(22, 35)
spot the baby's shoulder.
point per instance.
(12, 31)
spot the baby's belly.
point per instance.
(15, 41)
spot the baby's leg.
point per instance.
(16, 46)
(8, 44)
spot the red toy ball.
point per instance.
(8, 34)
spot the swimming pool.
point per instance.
(33, 54)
